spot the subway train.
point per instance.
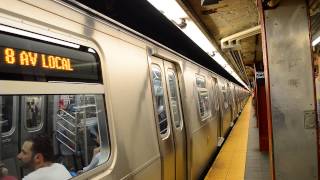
(90, 83)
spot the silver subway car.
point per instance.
(115, 104)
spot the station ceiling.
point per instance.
(226, 18)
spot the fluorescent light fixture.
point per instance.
(173, 11)
(316, 41)
(170, 8)
(195, 34)
(37, 36)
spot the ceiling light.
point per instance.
(173, 11)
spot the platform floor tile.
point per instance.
(231, 160)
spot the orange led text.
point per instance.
(27, 58)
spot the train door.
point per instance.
(233, 101)
(216, 107)
(230, 103)
(33, 120)
(169, 119)
(236, 99)
(20, 118)
(225, 109)
(32, 116)
(177, 120)
(9, 111)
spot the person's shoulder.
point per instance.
(55, 171)
(31, 176)
(62, 170)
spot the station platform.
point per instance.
(239, 157)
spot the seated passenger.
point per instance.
(37, 154)
(95, 161)
(95, 158)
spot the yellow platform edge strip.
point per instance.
(231, 160)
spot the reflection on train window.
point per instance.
(160, 101)
(203, 98)
(6, 115)
(216, 95)
(201, 82)
(76, 125)
(174, 99)
(225, 100)
(230, 98)
(33, 114)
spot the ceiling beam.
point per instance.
(233, 41)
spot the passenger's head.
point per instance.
(36, 151)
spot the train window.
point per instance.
(225, 98)
(160, 101)
(203, 98)
(229, 93)
(216, 95)
(201, 82)
(7, 114)
(33, 113)
(174, 99)
(74, 124)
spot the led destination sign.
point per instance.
(34, 60)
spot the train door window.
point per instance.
(200, 82)
(7, 115)
(160, 101)
(225, 98)
(33, 112)
(216, 95)
(174, 99)
(203, 97)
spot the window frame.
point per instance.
(15, 101)
(177, 92)
(20, 88)
(215, 93)
(168, 127)
(199, 91)
(24, 114)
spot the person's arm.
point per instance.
(94, 162)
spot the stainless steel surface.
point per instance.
(225, 110)
(202, 137)
(291, 90)
(179, 132)
(166, 143)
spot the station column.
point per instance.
(289, 89)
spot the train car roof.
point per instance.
(142, 17)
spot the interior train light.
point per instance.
(173, 11)
(37, 36)
(316, 41)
